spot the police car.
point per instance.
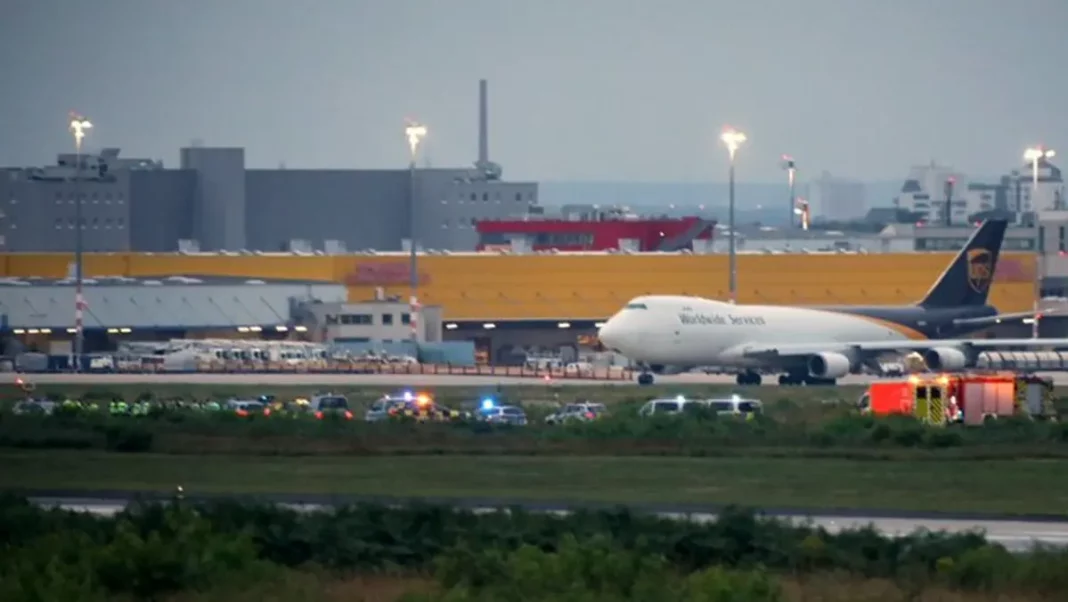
(490, 411)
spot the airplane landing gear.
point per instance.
(748, 378)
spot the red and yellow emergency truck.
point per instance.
(969, 398)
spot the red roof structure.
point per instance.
(651, 234)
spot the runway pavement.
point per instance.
(1015, 535)
(411, 380)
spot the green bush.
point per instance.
(144, 554)
(152, 549)
(595, 570)
(127, 438)
(786, 425)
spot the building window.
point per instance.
(518, 196)
(406, 319)
(107, 223)
(474, 197)
(1060, 239)
(120, 223)
(96, 223)
(356, 319)
(59, 223)
(485, 196)
(387, 319)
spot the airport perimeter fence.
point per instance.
(613, 373)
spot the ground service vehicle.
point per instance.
(970, 398)
(408, 405)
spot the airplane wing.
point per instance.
(862, 348)
(1001, 318)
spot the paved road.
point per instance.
(1016, 535)
(412, 380)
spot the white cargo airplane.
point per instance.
(817, 345)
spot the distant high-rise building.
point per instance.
(831, 198)
(1049, 194)
(925, 193)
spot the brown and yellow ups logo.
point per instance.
(980, 269)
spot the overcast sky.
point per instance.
(579, 89)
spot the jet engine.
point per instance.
(945, 359)
(828, 365)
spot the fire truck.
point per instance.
(967, 398)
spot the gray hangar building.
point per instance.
(212, 202)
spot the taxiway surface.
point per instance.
(410, 380)
(1016, 535)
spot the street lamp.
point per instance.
(415, 133)
(790, 166)
(732, 138)
(1034, 155)
(802, 210)
(79, 125)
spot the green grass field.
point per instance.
(1009, 486)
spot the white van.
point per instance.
(736, 406)
(667, 405)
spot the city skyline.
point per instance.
(602, 91)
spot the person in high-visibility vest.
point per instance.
(953, 411)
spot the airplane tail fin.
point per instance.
(968, 278)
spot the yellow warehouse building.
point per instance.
(490, 287)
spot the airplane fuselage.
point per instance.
(677, 330)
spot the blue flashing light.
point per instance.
(408, 396)
(487, 404)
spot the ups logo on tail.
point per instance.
(980, 269)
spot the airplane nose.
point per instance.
(611, 334)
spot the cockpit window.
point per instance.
(635, 306)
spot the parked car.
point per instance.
(329, 404)
(583, 411)
(34, 406)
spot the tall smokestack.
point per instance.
(483, 123)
